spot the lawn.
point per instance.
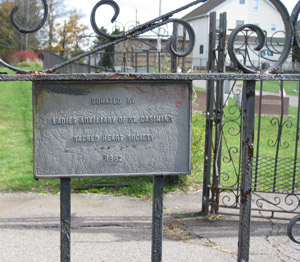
(16, 151)
(16, 161)
(273, 87)
(267, 150)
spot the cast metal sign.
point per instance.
(84, 129)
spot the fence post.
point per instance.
(219, 114)
(159, 62)
(89, 65)
(147, 60)
(209, 115)
(183, 48)
(157, 218)
(248, 110)
(65, 219)
(173, 57)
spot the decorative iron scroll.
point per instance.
(291, 40)
(114, 39)
(32, 30)
(291, 226)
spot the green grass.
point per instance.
(267, 150)
(16, 172)
(273, 87)
(16, 151)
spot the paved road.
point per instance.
(106, 228)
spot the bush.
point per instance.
(23, 56)
(29, 64)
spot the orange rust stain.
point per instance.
(178, 103)
(142, 91)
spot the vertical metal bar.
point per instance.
(247, 165)
(296, 143)
(159, 62)
(112, 61)
(132, 57)
(222, 42)
(183, 48)
(101, 62)
(278, 137)
(124, 62)
(238, 184)
(89, 61)
(173, 57)
(209, 115)
(157, 218)
(147, 61)
(65, 219)
(258, 137)
(136, 62)
(218, 147)
(219, 115)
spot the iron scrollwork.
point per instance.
(290, 35)
(114, 39)
(32, 30)
(290, 228)
(280, 125)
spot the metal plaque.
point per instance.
(85, 129)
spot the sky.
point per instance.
(140, 10)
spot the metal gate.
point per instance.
(276, 173)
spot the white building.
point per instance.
(258, 12)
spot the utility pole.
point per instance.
(158, 37)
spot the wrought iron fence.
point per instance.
(125, 62)
(238, 120)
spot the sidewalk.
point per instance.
(107, 228)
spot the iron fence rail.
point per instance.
(39, 76)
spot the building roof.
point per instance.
(203, 9)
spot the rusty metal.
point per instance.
(209, 116)
(65, 219)
(247, 163)
(157, 218)
(37, 76)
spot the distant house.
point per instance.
(258, 12)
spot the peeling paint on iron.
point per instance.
(245, 195)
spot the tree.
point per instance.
(8, 42)
(69, 36)
(108, 55)
(57, 10)
(28, 15)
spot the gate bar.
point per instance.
(157, 218)
(210, 87)
(65, 219)
(248, 107)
